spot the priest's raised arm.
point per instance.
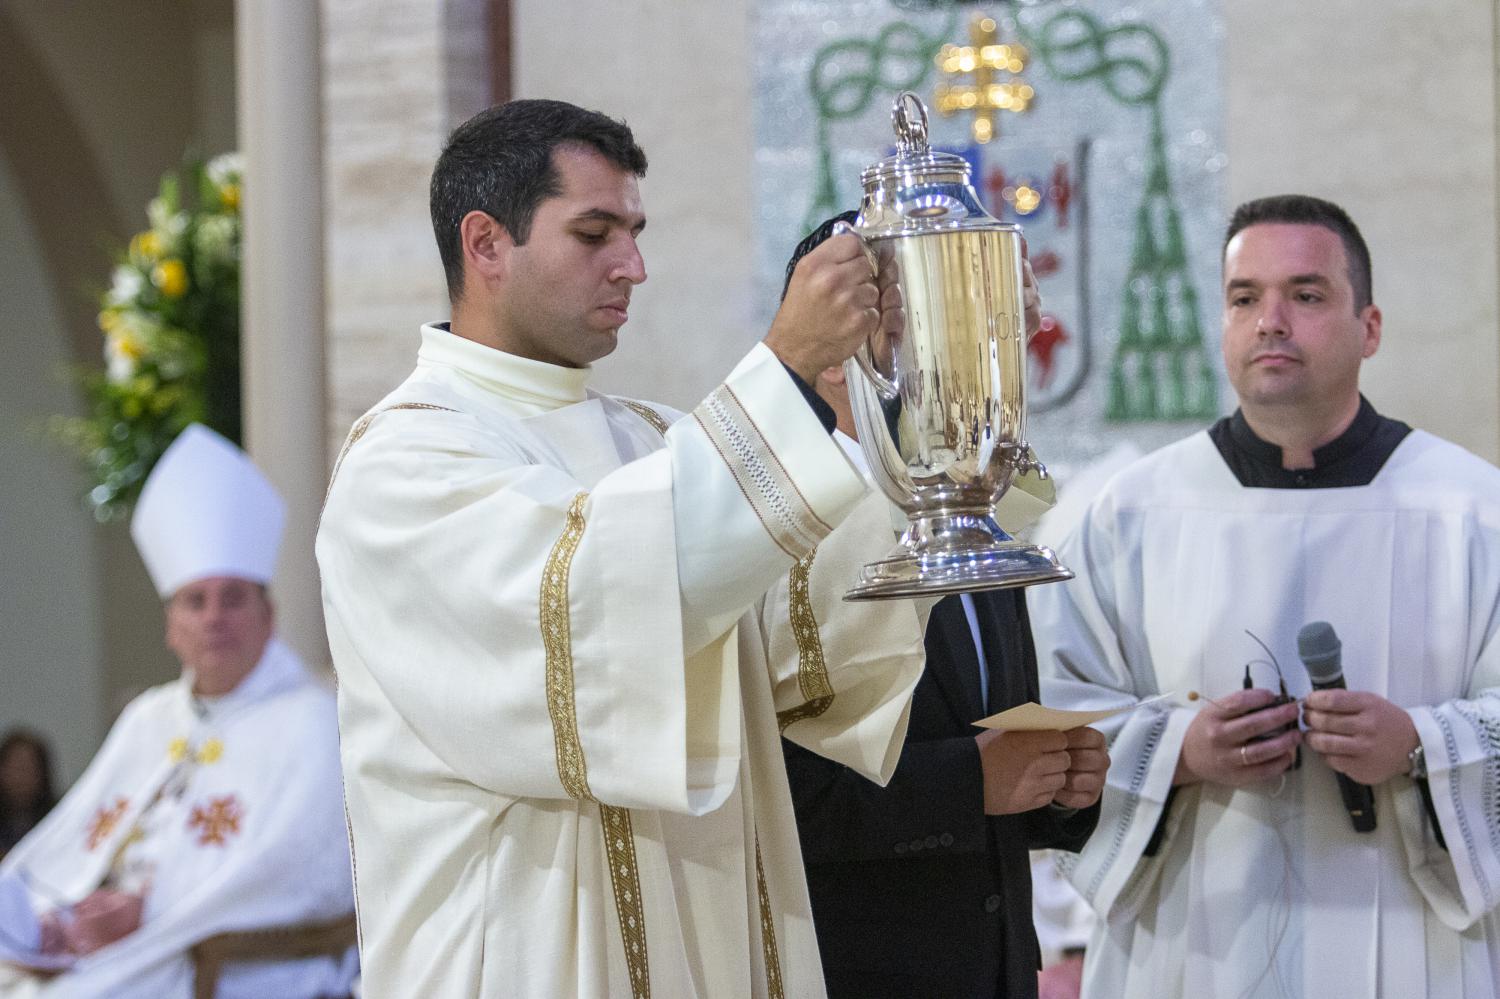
(585, 622)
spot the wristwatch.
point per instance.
(1418, 760)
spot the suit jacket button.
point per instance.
(946, 839)
(900, 847)
(930, 842)
(992, 904)
(916, 845)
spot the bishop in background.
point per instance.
(214, 804)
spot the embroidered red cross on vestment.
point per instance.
(104, 821)
(216, 821)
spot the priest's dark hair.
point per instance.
(500, 162)
(1303, 209)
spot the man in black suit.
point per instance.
(923, 887)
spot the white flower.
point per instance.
(216, 239)
(126, 285)
(169, 225)
(131, 337)
(122, 352)
(226, 168)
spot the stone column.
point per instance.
(401, 75)
(280, 134)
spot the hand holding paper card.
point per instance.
(1033, 717)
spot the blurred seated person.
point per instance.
(26, 794)
(215, 803)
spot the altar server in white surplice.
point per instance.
(1222, 867)
(567, 627)
(214, 804)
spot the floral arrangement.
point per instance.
(171, 325)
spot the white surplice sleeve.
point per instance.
(1088, 657)
(1461, 744)
(546, 640)
(842, 671)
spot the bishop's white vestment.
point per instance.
(1267, 891)
(226, 813)
(566, 638)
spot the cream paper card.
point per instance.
(1033, 717)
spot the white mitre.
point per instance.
(206, 510)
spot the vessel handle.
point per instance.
(888, 388)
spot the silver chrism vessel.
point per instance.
(939, 401)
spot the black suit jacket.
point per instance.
(915, 891)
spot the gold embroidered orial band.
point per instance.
(812, 669)
(774, 987)
(624, 877)
(619, 842)
(557, 640)
(786, 515)
(363, 425)
(645, 412)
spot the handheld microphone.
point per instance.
(1321, 652)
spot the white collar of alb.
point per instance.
(550, 386)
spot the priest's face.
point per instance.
(218, 627)
(565, 292)
(1292, 336)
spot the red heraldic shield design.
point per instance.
(1046, 190)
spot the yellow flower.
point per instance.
(171, 277)
(177, 750)
(146, 245)
(109, 320)
(124, 346)
(127, 344)
(229, 196)
(210, 751)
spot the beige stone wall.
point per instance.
(398, 75)
(679, 74)
(1389, 109)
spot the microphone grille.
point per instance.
(1319, 648)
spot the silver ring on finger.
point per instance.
(1244, 756)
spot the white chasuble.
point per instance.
(225, 813)
(1267, 891)
(564, 634)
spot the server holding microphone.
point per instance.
(1336, 725)
(1333, 535)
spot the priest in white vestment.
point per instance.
(567, 627)
(1221, 865)
(214, 805)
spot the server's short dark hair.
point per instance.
(500, 162)
(1303, 209)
